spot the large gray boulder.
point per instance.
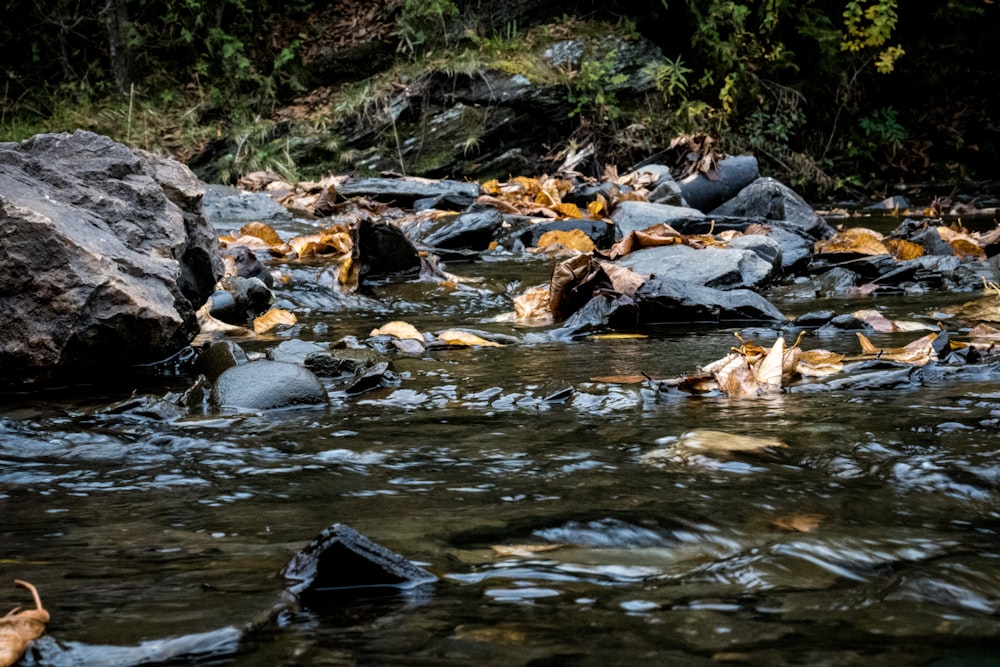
(721, 268)
(635, 216)
(104, 255)
(733, 173)
(772, 200)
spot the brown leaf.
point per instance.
(917, 353)
(464, 339)
(801, 523)
(819, 363)
(20, 627)
(768, 372)
(623, 279)
(398, 329)
(271, 319)
(984, 331)
(525, 550)
(857, 240)
(658, 235)
(902, 250)
(966, 248)
(876, 320)
(261, 231)
(532, 307)
(709, 442)
(621, 379)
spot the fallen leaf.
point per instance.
(876, 320)
(984, 331)
(621, 379)
(617, 336)
(20, 627)
(918, 353)
(768, 372)
(856, 240)
(532, 307)
(271, 319)
(261, 231)
(398, 329)
(525, 550)
(464, 339)
(700, 442)
(819, 363)
(902, 250)
(623, 279)
(574, 239)
(801, 523)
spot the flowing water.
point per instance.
(872, 538)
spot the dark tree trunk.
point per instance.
(116, 23)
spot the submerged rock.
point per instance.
(106, 257)
(267, 385)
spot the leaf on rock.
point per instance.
(271, 319)
(819, 363)
(856, 240)
(966, 248)
(571, 211)
(459, 338)
(657, 235)
(902, 250)
(876, 320)
(575, 240)
(19, 627)
(597, 208)
(918, 353)
(261, 231)
(398, 329)
(769, 371)
(623, 279)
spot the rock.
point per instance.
(733, 174)
(666, 300)
(719, 267)
(105, 255)
(867, 267)
(227, 205)
(383, 250)
(342, 559)
(634, 216)
(527, 233)
(338, 362)
(247, 264)
(267, 385)
(602, 313)
(404, 191)
(769, 199)
(764, 247)
(218, 358)
(665, 189)
(294, 351)
(814, 319)
(581, 195)
(473, 230)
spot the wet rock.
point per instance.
(835, 281)
(603, 312)
(733, 174)
(105, 255)
(866, 267)
(224, 204)
(384, 250)
(634, 216)
(846, 322)
(218, 358)
(404, 191)
(188, 649)
(267, 385)
(772, 200)
(667, 300)
(379, 376)
(581, 195)
(294, 351)
(341, 559)
(247, 264)
(722, 268)
(473, 230)
(339, 362)
(814, 319)
(251, 297)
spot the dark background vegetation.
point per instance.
(829, 94)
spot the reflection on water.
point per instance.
(871, 538)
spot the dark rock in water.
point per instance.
(106, 256)
(341, 559)
(772, 200)
(240, 300)
(734, 173)
(294, 351)
(722, 268)
(665, 300)
(218, 358)
(473, 230)
(350, 361)
(189, 649)
(383, 250)
(836, 281)
(454, 195)
(379, 376)
(635, 216)
(584, 194)
(604, 312)
(846, 322)
(267, 385)
(814, 319)
(224, 204)
(867, 267)
(247, 264)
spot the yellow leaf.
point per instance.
(261, 231)
(19, 627)
(902, 250)
(271, 319)
(491, 187)
(854, 240)
(569, 211)
(398, 329)
(703, 441)
(876, 320)
(819, 363)
(464, 339)
(574, 239)
(597, 208)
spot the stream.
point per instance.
(872, 538)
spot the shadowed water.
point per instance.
(554, 541)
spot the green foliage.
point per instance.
(590, 89)
(421, 21)
(671, 78)
(871, 27)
